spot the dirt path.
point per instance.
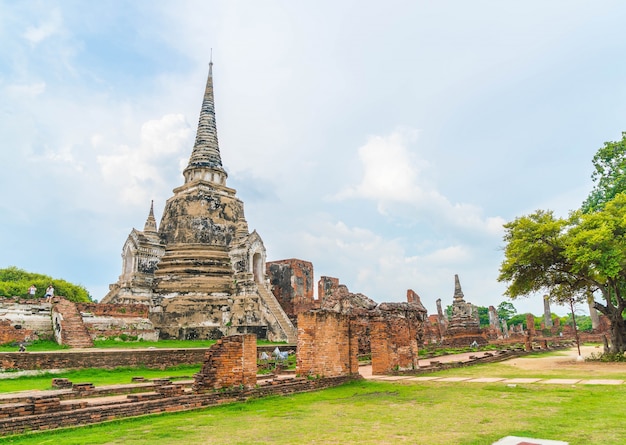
(566, 359)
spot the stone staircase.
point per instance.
(69, 328)
(279, 314)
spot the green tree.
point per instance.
(506, 310)
(571, 258)
(517, 319)
(15, 282)
(483, 316)
(609, 175)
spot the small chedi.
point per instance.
(463, 327)
(201, 271)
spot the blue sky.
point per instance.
(386, 142)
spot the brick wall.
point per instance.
(326, 286)
(230, 362)
(327, 345)
(76, 359)
(292, 284)
(395, 335)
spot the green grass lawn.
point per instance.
(379, 413)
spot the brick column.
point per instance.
(327, 345)
(394, 342)
(230, 362)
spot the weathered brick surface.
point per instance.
(76, 359)
(291, 281)
(327, 345)
(229, 363)
(395, 335)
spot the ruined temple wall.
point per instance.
(327, 346)
(395, 335)
(326, 287)
(231, 362)
(114, 310)
(291, 282)
(24, 321)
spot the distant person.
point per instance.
(22, 347)
(31, 291)
(49, 294)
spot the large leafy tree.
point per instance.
(572, 258)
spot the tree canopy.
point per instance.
(15, 282)
(609, 175)
(506, 310)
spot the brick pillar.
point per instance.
(394, 341)
(530, 324)
(327, 345)
(230, 362)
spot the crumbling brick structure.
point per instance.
(230, 362)
(291, 282)
(395, 334)
(327, 345)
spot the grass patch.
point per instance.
(378, 413)
(35, 346)
(99, 377)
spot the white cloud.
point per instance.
(394, 177)
(138, 172)
(50, 27)
(26, 90)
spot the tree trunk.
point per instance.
(618, 333)
(617, 326)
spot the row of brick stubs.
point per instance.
(51, 414)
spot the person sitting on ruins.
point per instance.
(31, 291)
(49, 293)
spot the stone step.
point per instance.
(73, 330)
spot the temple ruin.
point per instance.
(201, 272)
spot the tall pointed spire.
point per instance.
(150, 226)
(458, 293)
(206, 151)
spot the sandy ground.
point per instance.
(567, 359)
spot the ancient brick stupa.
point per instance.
(202, 271)
(464, 326)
